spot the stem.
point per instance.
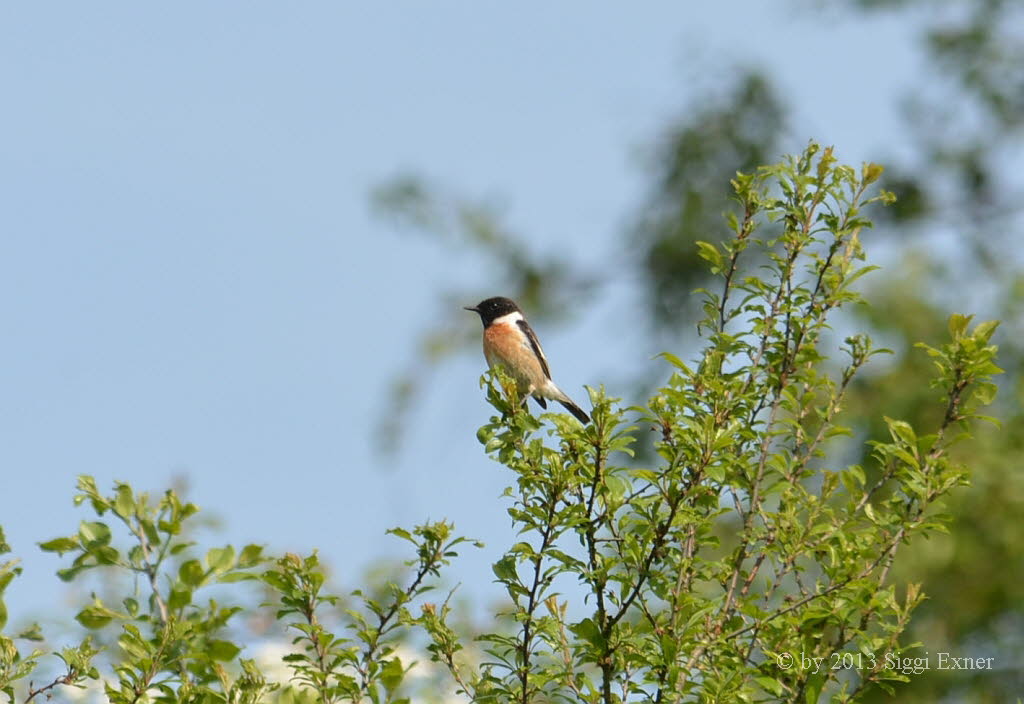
(150, 568)
(64, 679)
(383, 621)
(525, 649)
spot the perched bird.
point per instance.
(511, 342)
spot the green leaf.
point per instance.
(179, 598)
(958, 325)
(94, 534)
(715, 472)
(69, 573)
(222, 650)
(391, 674)
(191, 573)
(505, 570)
(675, 361)
(710, 252)
(124, 502)
(251, 556)
(983, 331)
(401, 533)
(32, 633)
(901, 430)
(588, 631)
(770, 685)
(7, 573)
(813, 688)
(95, 616)
(220, 559)
(871, 172)
(60, 545)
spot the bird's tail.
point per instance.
(549, 390)
(580, 414)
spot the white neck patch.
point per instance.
(508, 319)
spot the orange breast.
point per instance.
(506, 345)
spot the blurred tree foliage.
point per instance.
(735, 132)
(952, 237)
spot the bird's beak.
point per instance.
(472, 308)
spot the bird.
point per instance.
(509, 341)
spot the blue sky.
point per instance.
(192, 282)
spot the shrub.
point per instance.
(739, 562)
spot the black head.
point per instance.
(493, 308)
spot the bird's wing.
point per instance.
(535, 346)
